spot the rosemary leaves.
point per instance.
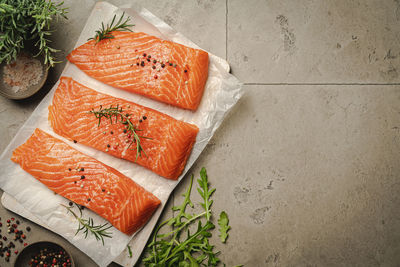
(130, 129)
(105, 31)
(88, 226)
(25, 22)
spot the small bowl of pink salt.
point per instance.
(22, 77)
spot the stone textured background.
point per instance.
(307, 165)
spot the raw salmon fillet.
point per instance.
(166, 152)
(86, 181)
(140, 63)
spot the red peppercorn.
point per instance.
(155, 76)
(25, 244)
(12, 219)
(8, 221)
(16, 252)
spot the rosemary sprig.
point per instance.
(131, 129)
(105, 31)
(87, 226)
(129, 251)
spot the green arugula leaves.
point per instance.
(205, 193)
(188, 243)
(223, 222)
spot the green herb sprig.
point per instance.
(224, 227)
(87, 226)
(22, 21)
(105, 31)
(117, 113)
(129, 251)
(195, 249)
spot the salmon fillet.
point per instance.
(140, 63)
(86, 181)
(166, 152)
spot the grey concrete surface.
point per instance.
(307, 165)
(314, 41)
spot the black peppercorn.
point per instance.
(144, 117)
(75, 141)
(83, 177)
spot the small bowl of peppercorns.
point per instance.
(44, 254)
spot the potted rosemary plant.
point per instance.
(25, 30)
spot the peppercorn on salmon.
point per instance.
(140, 63)
(121, 128)
(86, 181)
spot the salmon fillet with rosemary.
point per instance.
(140, 63)
(86, 181)
(121, 128)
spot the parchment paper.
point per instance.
(222, 91)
